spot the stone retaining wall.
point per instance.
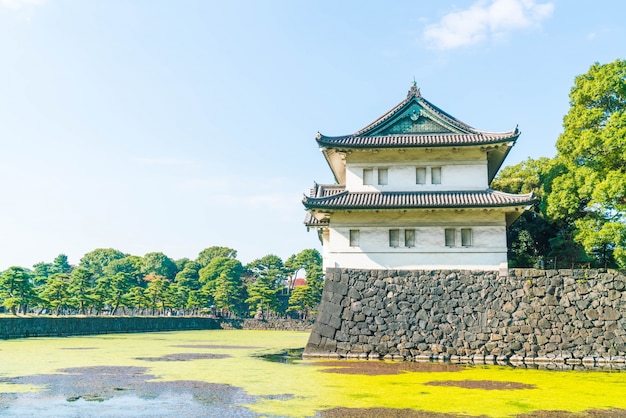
(567, 316)
(41, 326)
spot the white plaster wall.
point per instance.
(402, 177)
(487, 252)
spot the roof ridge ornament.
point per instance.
(414, 91)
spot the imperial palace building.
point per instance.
(412, 192)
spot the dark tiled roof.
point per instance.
(415, 200)
(417, 140)
(461, 134)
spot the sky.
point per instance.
(172, 126)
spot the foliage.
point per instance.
(305, 298)
(221, 280)
(591, 192)
(96, 260)
(153, 284)
(208, 254)
(158, 264)
(16, 289)
(55, 293)
(268, 274)
(81, 288)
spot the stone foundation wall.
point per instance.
(572, 316)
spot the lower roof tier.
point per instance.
(335, 197)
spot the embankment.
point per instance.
(46, 326)
(567, 316)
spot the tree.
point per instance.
(221, 280)
(189, 276)
(112, 290)
(305, 298)
(97, 260)
(302, 300)
(16, 289)
(269, 275)
(137, 299)
(61, 265)
(309, 260)
(130, 266)
(81, 288)
(157, 295)
(208, 254)
(158, 264)
(591, 192)
(41, 273)
(55, 293)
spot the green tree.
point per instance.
(55, 293)
(309, 260)
(81, 285)
(301, 301)
(41, 272)
(189, 276)
(158, 264)
(269, 275)
(208, 254)
(130, 265)
(157, 295)
(61, 265)
(304, 298)
(97, 260)
(221, 280)
(16, 289)
(113, 290)
(591, 192)
(137, 299)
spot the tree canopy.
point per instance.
(582, 215)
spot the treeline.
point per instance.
(109, 282)
(581, 217)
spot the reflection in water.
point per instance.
(164, 405)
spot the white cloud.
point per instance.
(484, 19)
(18, 4)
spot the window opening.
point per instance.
(394, 238)
(354, 237)
(382, 176)
(435, 175)
(450, 237)
(409, 237)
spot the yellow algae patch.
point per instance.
(19, 388)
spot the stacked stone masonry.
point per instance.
(567, 316)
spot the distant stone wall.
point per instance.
(44, 326)
(567, 316)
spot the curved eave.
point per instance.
(416, 141)
(418, 200)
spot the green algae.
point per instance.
(303, 388)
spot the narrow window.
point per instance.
(466, 237)
(420, 175)
(394, 238)
(354, 237)
(409, 237)
(435, 174)
(368, 176)
(450, 237)
(382, 176)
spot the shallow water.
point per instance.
(227, 374)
